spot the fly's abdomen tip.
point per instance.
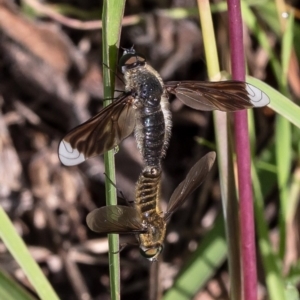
(68, 155)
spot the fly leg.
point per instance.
(129, 202)
(124, 245)
(116, 74)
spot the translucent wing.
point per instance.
(192, 181)
(115, 219)
(222, 95)
(99, 134)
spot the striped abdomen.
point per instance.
(148, 192)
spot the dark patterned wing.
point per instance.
(222, 95)
(193, 180)
(100, 133)
(115, 219)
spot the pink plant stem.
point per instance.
(249, 274)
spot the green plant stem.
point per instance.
(112, 19)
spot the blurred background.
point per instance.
(51, 81)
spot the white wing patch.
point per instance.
(69, 156)
(257, 97)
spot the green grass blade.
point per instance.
(11, 290)
(18, 249)
(287, 46)
(293, 277)
(267, 12)
(209, 40)
(253, 24)
(293, 197)
(291, 292)
(274, 281)
(283, 145)
(289, 112)
(224, 154)
(210, 254)
(112, 23)
(283, 138)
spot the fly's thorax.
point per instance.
(145, 84)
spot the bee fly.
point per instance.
(145, 218)
(144, 108)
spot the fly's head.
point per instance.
(151, 243)
(131, 60)
(151, 253)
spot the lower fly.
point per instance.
(144, 218)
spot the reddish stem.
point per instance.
(249, 273)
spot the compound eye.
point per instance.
(152, 253)
(131, 60)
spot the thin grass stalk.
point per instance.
(273, 276)
(203, 264)
(113, 11)
(248, 252)
(229, 200)
(283, 130)
(274, 280)
(155, 286)
(19, 251)
(252, 24)
(283, 107)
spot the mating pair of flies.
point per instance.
(144, 109)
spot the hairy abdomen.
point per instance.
(148, 192)
(150, 135)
